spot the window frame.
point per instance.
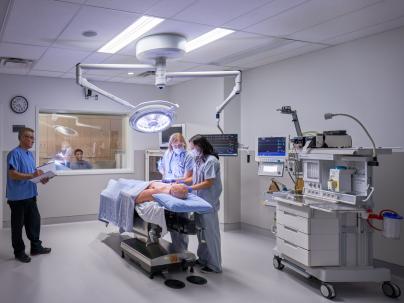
(105, 171)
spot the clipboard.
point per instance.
(49, 174)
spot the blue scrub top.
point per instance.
(22, 161)
(210, 169)
(174, 166)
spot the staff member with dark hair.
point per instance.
(21, 197)
(80, 163)
(207, 184)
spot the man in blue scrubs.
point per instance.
(21, 197)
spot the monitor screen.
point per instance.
(224, 144)
(271, 146)
(165, 134)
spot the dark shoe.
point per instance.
(198, 262)
(24, 258)
(207, 270)
(40, 251)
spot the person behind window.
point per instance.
(80, 163)
(21, 196)
(65, 154)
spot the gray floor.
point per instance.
(85, 265)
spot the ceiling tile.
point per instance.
(96, 58)
(306, 15)
(206, 68)
(271, 9)
(179, 66)
(217, 13)
(136, 6)
(107, 23)
(396, 23)
(62, 60)
(121, 59)
(44, 73)
(21, 51)
(238, 44)
(252, 60)
(37, 22)
(168, 8)
(371, 15)
(72, 1)
(290, 54)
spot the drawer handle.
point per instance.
(291, 229)
(290, 214)
(290, 244)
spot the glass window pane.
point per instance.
(82, 141)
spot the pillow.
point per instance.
(192, 204)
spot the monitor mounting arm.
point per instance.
(288, 110)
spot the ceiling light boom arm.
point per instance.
(85, 83)
(82, 81)
(235, 91)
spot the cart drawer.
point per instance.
(292, 220)
(301, 211)
(307, 257)
(308, 241)
(308, 225)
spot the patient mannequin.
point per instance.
(179, 191)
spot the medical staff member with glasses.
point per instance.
(207, 184)
(21, 196)
(177, 163)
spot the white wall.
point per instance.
(364, 78)
(65, 94)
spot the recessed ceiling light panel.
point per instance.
(131, 33)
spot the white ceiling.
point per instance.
(50, 31)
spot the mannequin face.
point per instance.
(179, 191)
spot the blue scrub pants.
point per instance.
(209, 253)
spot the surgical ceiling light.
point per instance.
(207, 38)
(152, 116)
(155, 116)
(64, 130)
(131, 33)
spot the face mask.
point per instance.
(196, 153)
(178, 151)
